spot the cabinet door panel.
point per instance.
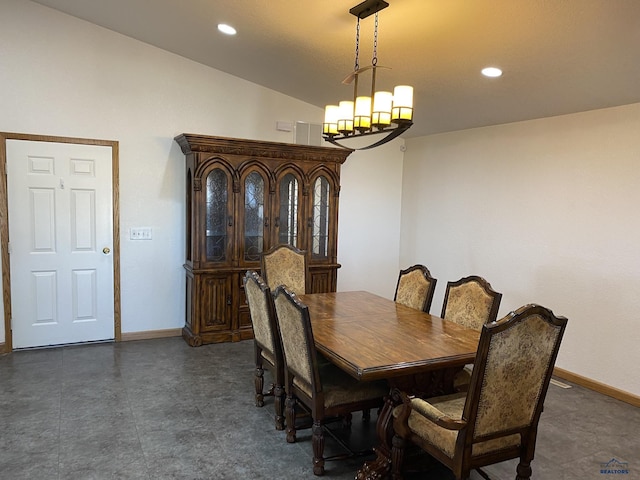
(215, 302)
(255, 217)
(321, 224)
(323, 280)
(289, 215)
(218, 219)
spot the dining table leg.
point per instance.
(380, 467)
(424, 385)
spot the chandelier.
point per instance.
(381, 112)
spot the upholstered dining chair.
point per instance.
(415, 288)
(285, 265)
(471, 302)
(268, 350)
(326, 390)
(497, 419)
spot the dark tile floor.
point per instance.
(159, 409)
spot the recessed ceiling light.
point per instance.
(226, 29)
(492, 72)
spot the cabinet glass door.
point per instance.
(288, 214)
(320, 233)
(216, 216)
(254, 221)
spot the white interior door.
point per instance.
(60, 242)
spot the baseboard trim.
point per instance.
(607, 390)
(151, 334)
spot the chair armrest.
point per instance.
(434, 415)
(405, 405)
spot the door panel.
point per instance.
(42, 216)
(44, 292)
(83, 220)
(61, 238)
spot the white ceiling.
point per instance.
(558, 56)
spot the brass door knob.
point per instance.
(106, 250)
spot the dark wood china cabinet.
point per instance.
(243, 197)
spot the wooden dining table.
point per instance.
(371, 338)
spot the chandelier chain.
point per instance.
(374, 60)
(357, 64)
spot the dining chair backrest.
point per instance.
(511, 373)
(285, 265)
(294, 326)
(415, 288)
(262, 314)
(268, 349)
(471, 302)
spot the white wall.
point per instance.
(368, 239)
(547, 211)
(66, 77)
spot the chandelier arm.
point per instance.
(335, 142)
(391, 134)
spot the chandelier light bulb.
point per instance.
(345, 116)
(362, 115)
(402, 104)
(381, 115)
(331, 115)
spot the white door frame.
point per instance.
(4, 226)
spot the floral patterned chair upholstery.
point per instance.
(326, 390)
(470, 302)
(285, 265)
(268, 350)
(497, 419)
(415, 288)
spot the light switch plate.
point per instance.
(141, 233)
